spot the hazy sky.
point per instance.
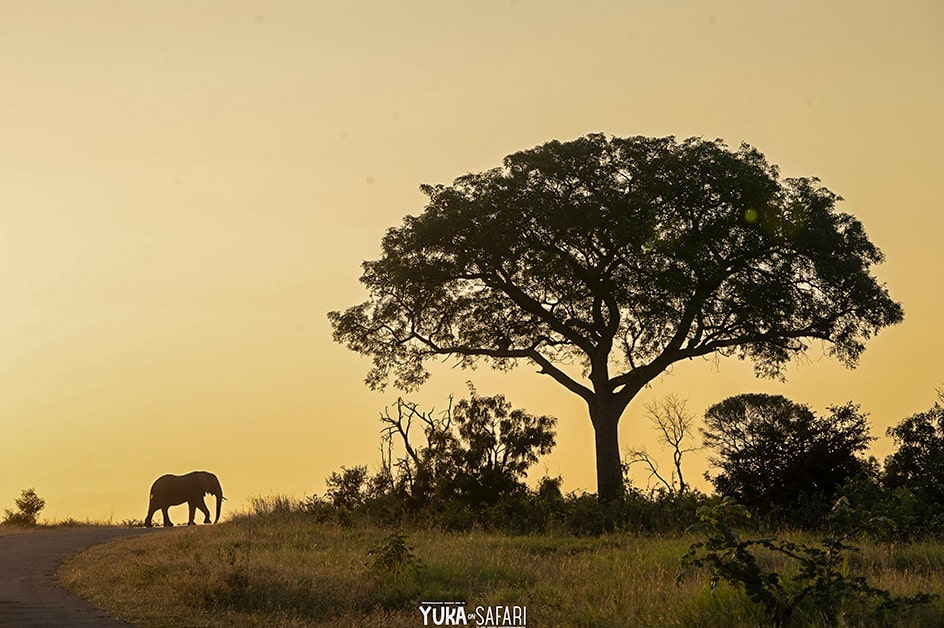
(188, 187)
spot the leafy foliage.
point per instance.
(619, 256)
(478, 450)
(28, 506)
(823, 581)
(539, 510)
(908, 488)
(393, 556)
(914, 518)
(345, 489)
(775, 452)
(918, 463)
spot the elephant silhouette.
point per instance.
(172, 490)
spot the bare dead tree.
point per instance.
(397, 426)
(675, 425)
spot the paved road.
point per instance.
(29, 596)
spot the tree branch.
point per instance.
(532, 306)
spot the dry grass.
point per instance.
(290, 571)
(7, 530)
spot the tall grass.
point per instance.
(279, 567)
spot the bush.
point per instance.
(29, 505)
(824, 585)
(915, 514)
(775, 453)
(346, 489)
(477, 450)
(918, 464)
(543, 509)
(393, 557)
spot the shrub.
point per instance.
(29, 505)
(773, 452)
(824, 581)
(477, 450)
(393, 557)
(346, 489)
(918, 463)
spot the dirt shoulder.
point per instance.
(29, 594)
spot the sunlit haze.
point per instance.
(189, 187)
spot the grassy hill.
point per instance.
(290, 570)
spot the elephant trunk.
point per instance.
(212, 486)
(219, 505)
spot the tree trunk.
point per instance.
(605, 419)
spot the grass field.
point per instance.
(6, 530)
(291, 571)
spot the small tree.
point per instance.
(478, 449)
(346, 489)
(29, 504)
(500, 444)
(772, 451)
(420, 471)
(674, 423)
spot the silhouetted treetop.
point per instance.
(772, 451)
(918, 463)
(621, 256)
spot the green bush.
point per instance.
(393, 557)
(824, 586)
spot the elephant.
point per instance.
(171, 490)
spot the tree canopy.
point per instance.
(605, 260)
(773, 452)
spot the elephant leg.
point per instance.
(167, 522)
(150, 515)
(193, 509)
(203, 508)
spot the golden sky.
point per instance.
(186, 188)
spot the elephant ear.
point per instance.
(206, 482)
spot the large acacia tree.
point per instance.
(604, 260)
